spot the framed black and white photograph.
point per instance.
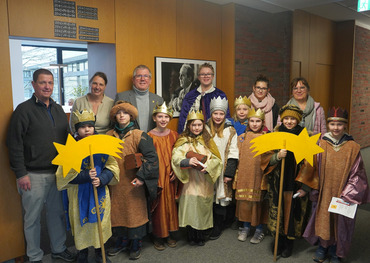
(175, 77)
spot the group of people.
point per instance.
(199, 178)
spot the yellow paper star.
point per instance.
(302, 145)
(71, 155)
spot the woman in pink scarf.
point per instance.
(262, 99)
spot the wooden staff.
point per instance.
(279, 203)
(97, 209)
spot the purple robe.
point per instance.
(189, 100)
(356, 191)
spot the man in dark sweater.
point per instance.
(34, 126)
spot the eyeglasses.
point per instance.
(142, 76)
(203, 75)
(299, 88)
(261, 89)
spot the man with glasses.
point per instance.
(200, 98)
(34, 126)
(141, 97)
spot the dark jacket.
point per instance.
(31, 134)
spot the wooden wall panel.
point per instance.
(344, 56)
(35, 18)
(228, 53)
(313, 54)
(323, 85)
(300, 44)
(11, 225)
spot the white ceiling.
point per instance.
(336, 10)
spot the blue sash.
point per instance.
(86, 202)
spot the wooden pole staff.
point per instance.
(279, 203)
(97, 209)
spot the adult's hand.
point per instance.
(24, 183)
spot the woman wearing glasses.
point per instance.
(262, 99)
(200, 98)
(313, 114)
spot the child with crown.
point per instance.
(197, 163)
(299, 179)
(164, 216)
(138, 183)
(78, 198)
(239, 120)
(250, 186)
(342, 175)
(224, 135)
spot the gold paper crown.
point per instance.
(242, 100)
(163, 109)
(260, 114)
(83, 116)
(195, 115)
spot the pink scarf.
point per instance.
(265, 105)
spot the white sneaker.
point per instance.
(257, 237)
(243, 233)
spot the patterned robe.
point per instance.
(342, 174)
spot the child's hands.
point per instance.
(94, 179)
(301, 193)
(193, 161)
(172, 176)
(282, 154)
(136, 182)
(227, 179)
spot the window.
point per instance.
(70, 78)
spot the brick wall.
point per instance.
(263, 46)
(360, 111)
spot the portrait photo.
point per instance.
(175, 77)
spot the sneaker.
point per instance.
(135, 251)
(171, 242)
(321, 254)
(257, 237)
(159, 244)
(121, 245)
(243, 233)
(65, 255)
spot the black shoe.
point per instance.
(36, 261)
(65, 255)
(83, 255)
(135, 251)
(288, 250)
(99, 256)
(216, 233)
(321, 254)
(281, 245)
(121, 245)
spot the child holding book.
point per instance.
(196, 162)
(138, 182)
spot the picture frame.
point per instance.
(177, 76)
